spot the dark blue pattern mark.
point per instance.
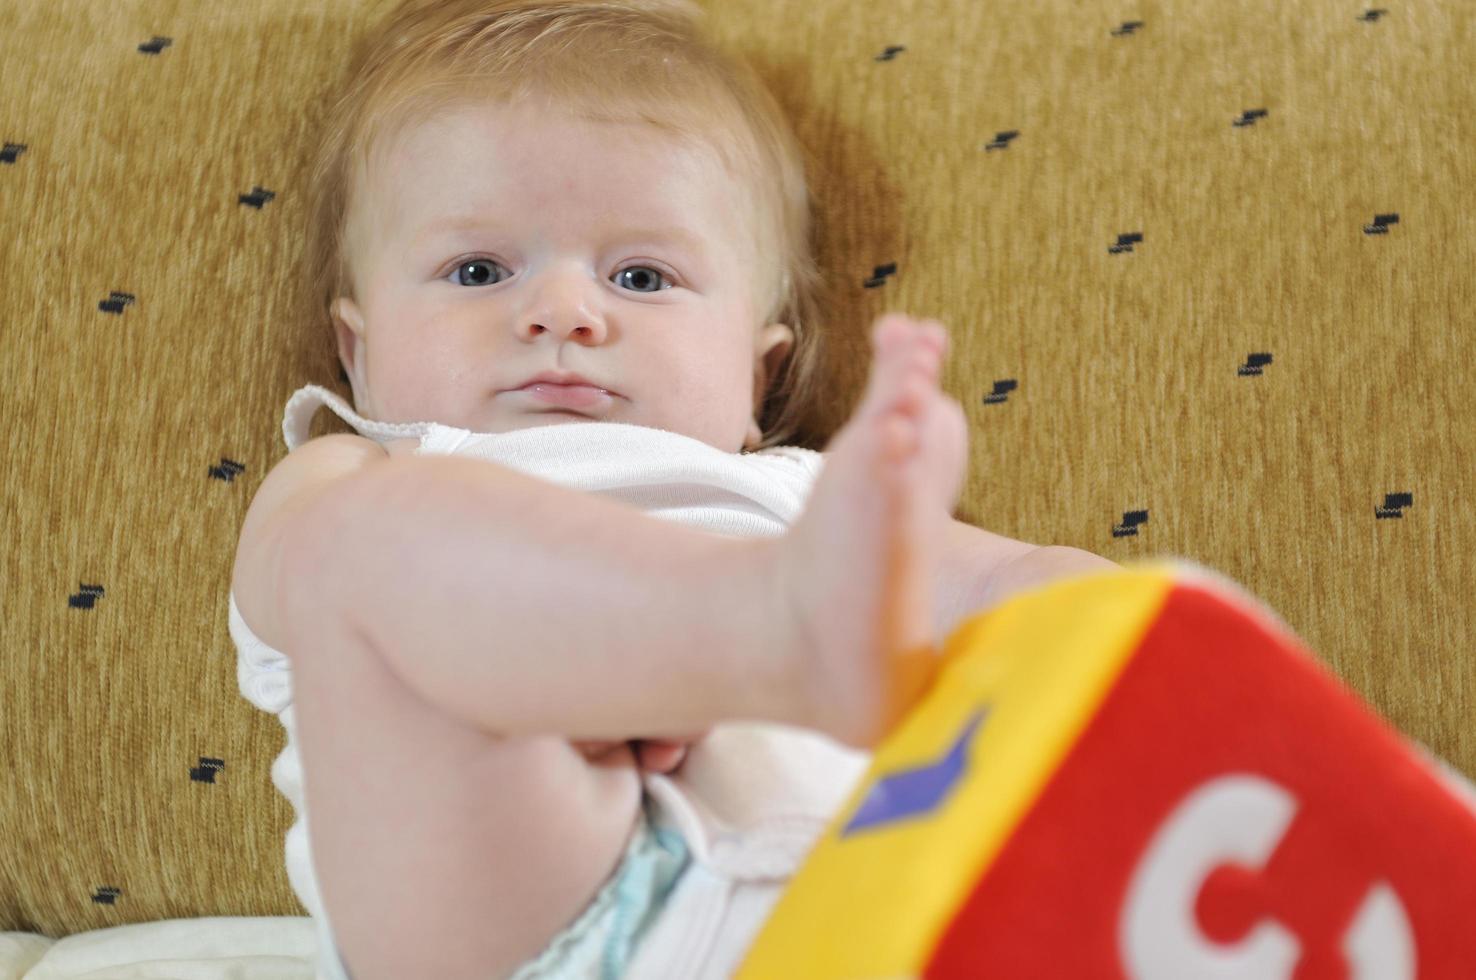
(106, 895)
(1001, 391)
(86, 596)
(115, 302)
(1253, 364)
(1249, 117)
(227, 470)
(1372, 16)
(879, 275)
(1125, 242)
(206, 770)
(1128, 28)
(155, 44)
(257, 197)
(891, 52)
(1130, 521)
(1002, 140)
(11, 152)
(916, 792)
(1394, 504)
(1381, 223)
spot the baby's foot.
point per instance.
(860, 563)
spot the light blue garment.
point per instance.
(602, 941)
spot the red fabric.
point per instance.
(1208, 693)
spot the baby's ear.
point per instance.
(348, 329)
(774, 344)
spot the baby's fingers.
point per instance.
(595, 748)
(663, 757)
(665, 754)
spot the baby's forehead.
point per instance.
(402, 132)
(411, 160)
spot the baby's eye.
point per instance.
(476, 277)
(648, 274)
(647, 279)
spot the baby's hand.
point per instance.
(661, 755)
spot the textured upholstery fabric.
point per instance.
(1208, 274)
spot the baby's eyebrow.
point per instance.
(675, 235)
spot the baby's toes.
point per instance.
(919, 383)
(890, 370)
(888, 330)
(915, 396)
(946, 442)
(937, 335)
(926, 360)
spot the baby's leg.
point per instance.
(442, 850)
(448, 841)
(863, 558)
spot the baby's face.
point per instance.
(493, 243)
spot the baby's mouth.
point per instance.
(566, 396)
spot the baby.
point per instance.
(531, 214)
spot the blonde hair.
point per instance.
(644, 61)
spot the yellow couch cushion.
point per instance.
(1207, 274)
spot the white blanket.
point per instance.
(223, 948)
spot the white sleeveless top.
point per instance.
(750, 800)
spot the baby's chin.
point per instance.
(552, 417)
(534, 420)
